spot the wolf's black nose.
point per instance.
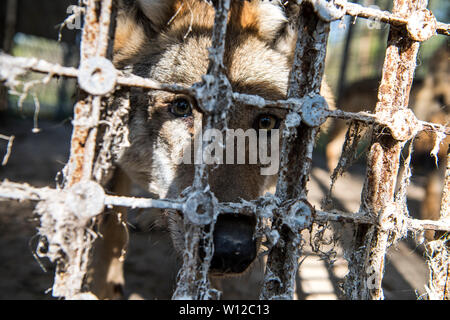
(234, 245)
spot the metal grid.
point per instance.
(69, 213)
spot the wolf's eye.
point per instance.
(267, 122)
(181, 108)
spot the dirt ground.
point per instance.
(152, 265)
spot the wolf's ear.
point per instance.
(286, 38)
(266, 17)
(158, 12)
(136, 20)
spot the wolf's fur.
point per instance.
(168, 40)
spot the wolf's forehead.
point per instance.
(256, 68)
(252, 66)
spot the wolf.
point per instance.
(168, 41)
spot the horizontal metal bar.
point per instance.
(23, 192)
(42, 66)
(360, 11)
(420, 225)
(142, 203)
(9, 62)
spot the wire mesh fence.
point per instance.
(70, 213)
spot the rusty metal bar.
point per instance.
(445, 202)
(24, 192)
(296, 158)
(74, 257)
(366, 266)
(438, 251)
(87, 111)
(379, 220)
(214, 98)
(251, 100)
(395, 19)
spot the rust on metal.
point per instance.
(214, 98)
(439, 249)
(380, 219)
(94, 45)
(384, 156)
(79, 137)
(421, 25)
(296, 155)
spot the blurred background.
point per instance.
(354, 65)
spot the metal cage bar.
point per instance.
(381, 220)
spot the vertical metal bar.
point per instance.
(445, 201)
(215, 94)
(95, 43)
(438, 251)
(214, 98)
(342, 82)
(296, 154)
(366, 267)
(72, 265)
(445, 237)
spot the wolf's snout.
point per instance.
(234, 245)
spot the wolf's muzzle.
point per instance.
(235, 247)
